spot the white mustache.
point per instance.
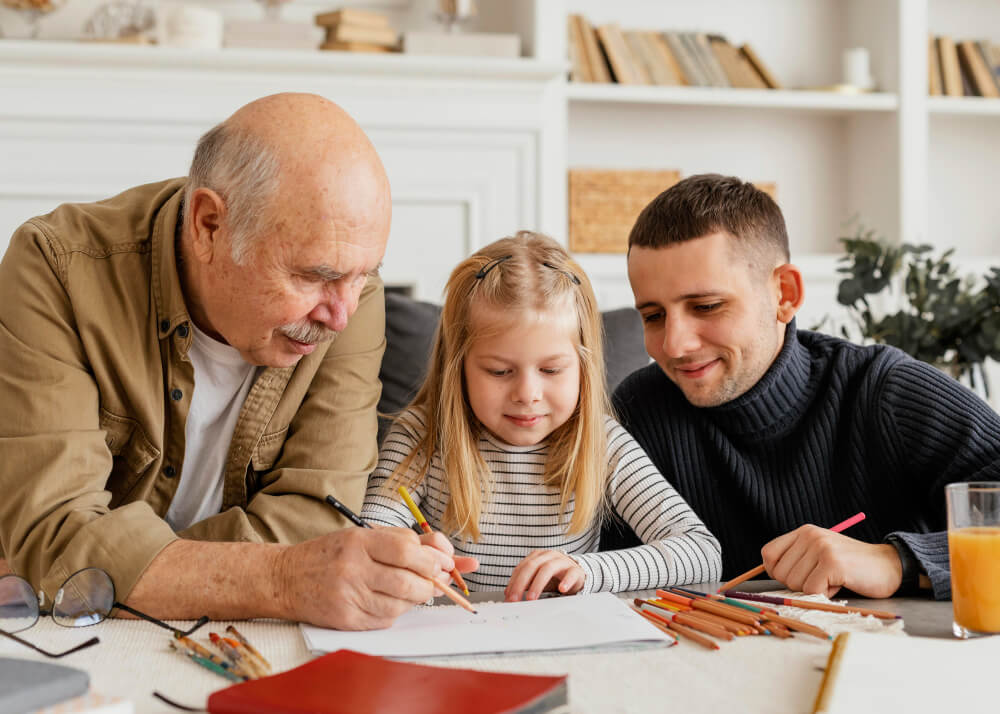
(311, 333)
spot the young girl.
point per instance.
(508, 447)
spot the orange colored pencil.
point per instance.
(684, 618)
(656, 623)
(693, 636)
(426, 528)
(798, 626)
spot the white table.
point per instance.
(748, 674)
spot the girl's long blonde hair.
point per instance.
(528, 273)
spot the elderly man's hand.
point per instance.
(817, 560)
(359, 579)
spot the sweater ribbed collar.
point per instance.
(774, 405)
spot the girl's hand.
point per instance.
(544, 570)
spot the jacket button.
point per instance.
(164, 325)
(182, 331)
(169, 471)
(176, 394)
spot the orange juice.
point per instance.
(975, 577)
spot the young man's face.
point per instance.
(710, 317)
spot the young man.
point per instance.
(772, 433)
(192, 366)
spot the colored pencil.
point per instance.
(207, 663)
(449, 593)
(659, 625)
(426, 528)
(754, 572)
(692, 635)
(809, 605)
(265, 665)
(798, 626)
(202, 652)
(684, 619)
(736, 628)
(241, 665)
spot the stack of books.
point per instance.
(970, 68)
(354, 30)
(696, 59)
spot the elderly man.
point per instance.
(191, 366)
(762, 427)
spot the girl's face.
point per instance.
(524, 383)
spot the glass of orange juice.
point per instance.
(974, 550)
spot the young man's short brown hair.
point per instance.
(710, 203)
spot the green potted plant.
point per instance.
(948, 320)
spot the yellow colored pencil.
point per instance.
(426, 528)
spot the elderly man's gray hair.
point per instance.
(244, 171)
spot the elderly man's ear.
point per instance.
(790, 291)
(206, 214)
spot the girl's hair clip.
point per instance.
(490, 265)
(568, 273)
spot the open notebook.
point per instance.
(554, 624)
(873, 673)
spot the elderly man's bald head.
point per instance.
(289, 153)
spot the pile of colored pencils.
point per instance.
(699, 616)
(237, 660)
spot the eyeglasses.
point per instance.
(86, 598)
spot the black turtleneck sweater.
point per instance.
(831, 429)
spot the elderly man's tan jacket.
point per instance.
(95, 386)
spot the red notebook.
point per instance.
(346, 682)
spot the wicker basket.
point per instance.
(604, 204)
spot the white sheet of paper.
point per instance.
(564, 623)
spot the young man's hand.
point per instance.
(817, 560)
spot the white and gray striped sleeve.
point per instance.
(382, 506)
(678, 550)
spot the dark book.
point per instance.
(27, 685)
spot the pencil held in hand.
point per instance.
(754, 572)
(426, 528)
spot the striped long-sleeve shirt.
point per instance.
(522, 515)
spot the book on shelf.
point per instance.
(355, 47)
(345, 682)
(661, 71)
(874, 672)
(737, 67)
(703, 51)
(758, 65)
(665, 58)
(579, 70)
(934, 85)
(951, 74)
(640, 57)
(976, 70)
(986, 51)
(597, 61)
(352, 16)
(994, 57)
(385, 36)
(619, 55)
(693, 73)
